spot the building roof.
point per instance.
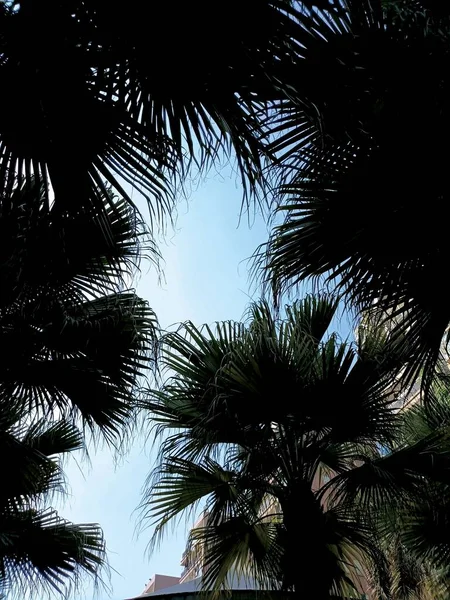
(236, 583)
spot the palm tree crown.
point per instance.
(364, 175)
(74, 340)
(293, 441)
(99, 92)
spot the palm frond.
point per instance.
(255, 414)
(240, 546)
(348, 198)
(113, 113)
(424, 533)
(32, 471)
(41, 551)
(84, 361)
(393, 479)
(75, 341)
(40, 249)
(181, 484)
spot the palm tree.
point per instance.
(293, 440)
(410, 577)
(75, 343)
(39, 550)
(98, 92)
(364, 166)
(74, 340)
(416, 545)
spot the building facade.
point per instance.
(159, 582)
(193, 558)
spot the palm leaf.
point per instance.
(122, 109)
(181, 484)
(75, 342)
(255, 414)
(402, 474)
(350, 202)
(40, 550)
(101, 346)
(242, 544)
(33, 469)
(40, 249)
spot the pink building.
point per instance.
(191, 561)
(159, 582)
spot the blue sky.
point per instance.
(206, 280)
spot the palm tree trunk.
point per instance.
(305, 565)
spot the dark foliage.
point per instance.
(39, 550)
(364, 176)
(73, 340)
(101, 91)
(294, 441)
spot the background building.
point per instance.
(192, 562)
(159, 582)
(194, 556)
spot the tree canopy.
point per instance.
(294, 442)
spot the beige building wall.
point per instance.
(194, 555)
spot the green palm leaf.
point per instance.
(74, 340)
(257, 414)
(353, 197)
(102, 95)
(39, 550)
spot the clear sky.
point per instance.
(206, 280)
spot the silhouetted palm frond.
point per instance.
(363, 203)
(275, 425)
(39, 550)
(99, 92)
(75, 341)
